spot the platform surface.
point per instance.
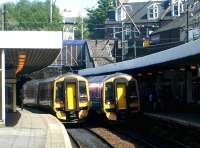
(33, 129)
(186, 119)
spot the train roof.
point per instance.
(99, 79)
(53, 78)
(30, 82)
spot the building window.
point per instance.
(181, 7)
(177, 8)
(153, 11)
(120, 14)
(156, 12)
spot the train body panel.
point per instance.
(96, 96)
(45, 94)
(114, 94)
(67, 95)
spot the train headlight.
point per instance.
(108, 103)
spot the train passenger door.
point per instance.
(121, 95)
(71, 96)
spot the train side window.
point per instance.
(60, 91)
(109, 92)
(132, 90)
(82, 89)
(42, 91)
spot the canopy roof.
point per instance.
(74, 42)
(183, 54)
(28, 51)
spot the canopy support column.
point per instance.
(14, 97)
(189, 86)
(2, 89)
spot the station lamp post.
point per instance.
(187, 22)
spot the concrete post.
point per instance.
(14, 97)
(189, 86)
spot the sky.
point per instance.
(77, 7)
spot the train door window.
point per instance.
(42, 91)
(132, 91)
(109, 93)
(60, 91)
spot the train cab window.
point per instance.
(109, 92)
(132, 90)
(60, 91)
(82, 89)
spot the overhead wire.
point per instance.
(121, 5)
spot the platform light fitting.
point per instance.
(182, 69)
(193, 67)
(21, 59)
(149, 73)
(22, 56)
(21, 62)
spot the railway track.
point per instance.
(87, 139)
(120, 135)
(116, 136)
(146, 141)
(158, 132)
(117, 140)
(120, 138)
(124, 135)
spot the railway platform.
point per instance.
(190, 120)
(31, 128)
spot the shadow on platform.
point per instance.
(38, 110)
(12, 118)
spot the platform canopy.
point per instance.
(28, 51)
(182, 55)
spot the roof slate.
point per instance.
(100, 51)
(178, 22)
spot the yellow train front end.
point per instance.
(120, 97)
(71, 98)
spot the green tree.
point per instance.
(26, 15)
(97, 17)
